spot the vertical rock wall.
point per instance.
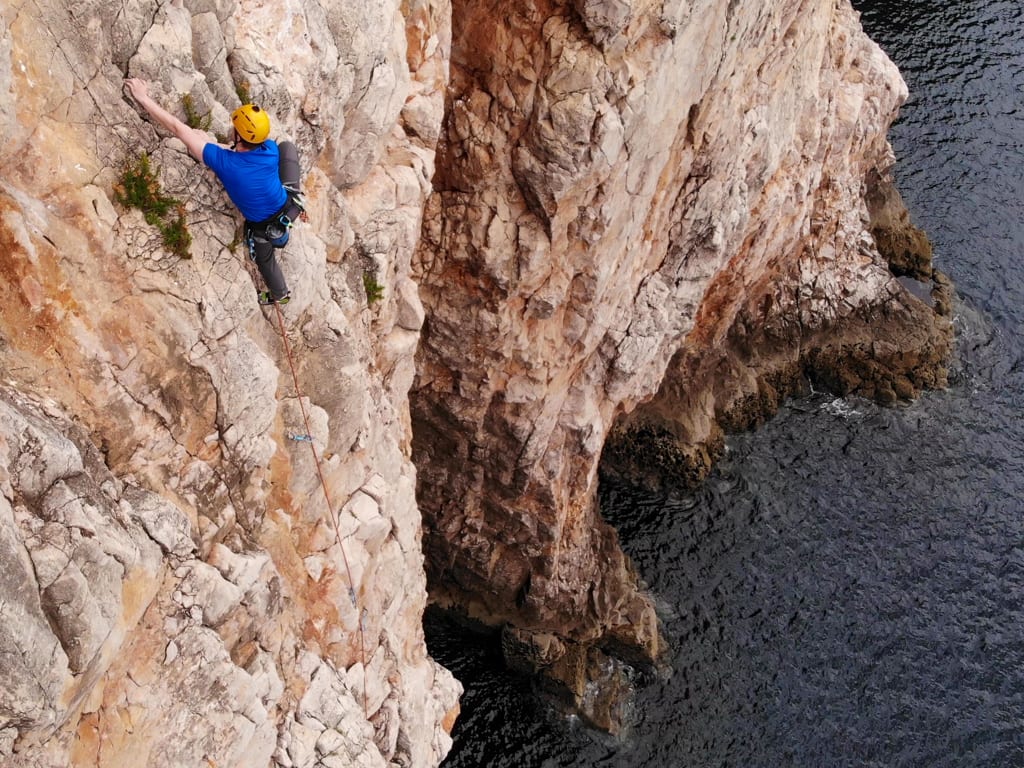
(632, 199)
(184, 583)
(644, 222)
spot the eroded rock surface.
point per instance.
(208, 561)
(636, 225)
(650, 223)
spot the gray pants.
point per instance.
(261, 250)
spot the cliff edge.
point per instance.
(652, 221)
(545, 240)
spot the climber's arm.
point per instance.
(193, 138)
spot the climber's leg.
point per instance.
(262, 252)
(288, 166)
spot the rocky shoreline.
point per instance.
(887, 352)
(659, 446)
(612, 283)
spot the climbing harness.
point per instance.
(276, 230)
(306, 438)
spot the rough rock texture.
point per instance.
(179, 587)
(636, 221)
(650, 223)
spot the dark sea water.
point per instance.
(847, 589)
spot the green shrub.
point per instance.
(192, 117)
(177, 238)
(139, 188)
(374, 290)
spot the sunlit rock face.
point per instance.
(568, 230)
(650, 222)
(209, 536)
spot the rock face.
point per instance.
(183, 584)
(651, 221)
(609, 228)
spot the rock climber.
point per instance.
(260, 177)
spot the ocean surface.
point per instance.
(847, 588)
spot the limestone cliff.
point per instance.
(179, 587)
(651, 222)
(607, 227)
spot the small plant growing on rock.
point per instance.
(374, 290)
(177, 239)
(237, 239)
(192, 117)
(139, 188)
(242, 91)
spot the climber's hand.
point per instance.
(138, 88)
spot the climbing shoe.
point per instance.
(265, 298)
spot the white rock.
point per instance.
(302, 748)
(213, 596)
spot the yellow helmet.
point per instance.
(252, 123)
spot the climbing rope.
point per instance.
(330, 507)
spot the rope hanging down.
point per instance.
(330, 507)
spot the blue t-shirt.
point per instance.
(251, 179)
